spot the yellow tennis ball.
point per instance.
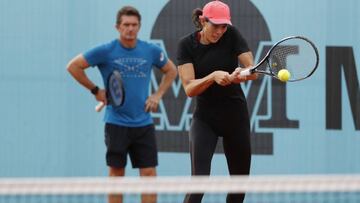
(284, 75)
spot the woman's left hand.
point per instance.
(237, 78)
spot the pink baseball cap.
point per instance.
(217, 12)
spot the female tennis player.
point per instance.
(207, 62)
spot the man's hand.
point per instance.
(101, 96)
(152, 103)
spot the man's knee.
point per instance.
(116, 171)
(148, 171)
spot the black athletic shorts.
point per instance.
(138, 142)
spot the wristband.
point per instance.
(94, 90)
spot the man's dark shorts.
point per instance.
(138, 142)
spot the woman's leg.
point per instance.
(237, 150)
(202, 146)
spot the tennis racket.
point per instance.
(296, 54)
(115, 93)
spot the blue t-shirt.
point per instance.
(135, 66)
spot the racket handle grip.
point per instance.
(99, 106)
(245, 72)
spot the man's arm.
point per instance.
(170, 73)
(76, 68)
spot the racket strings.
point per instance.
(296, 55)
(116, 89)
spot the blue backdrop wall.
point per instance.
(48, 126)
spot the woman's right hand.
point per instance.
(222, 78)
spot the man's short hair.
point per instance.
(128, 11)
